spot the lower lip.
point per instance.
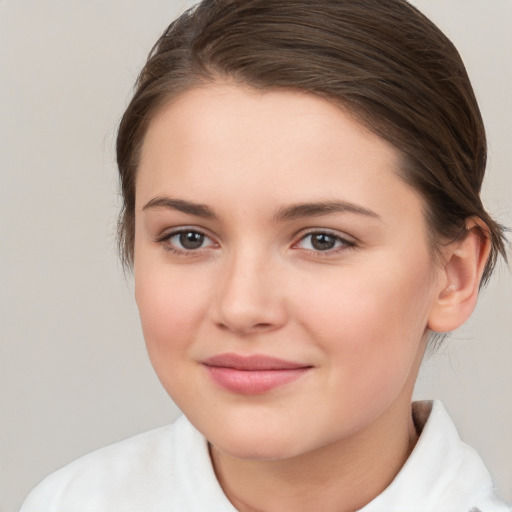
(253, 382)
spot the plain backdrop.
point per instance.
(74, 374)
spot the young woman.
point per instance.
(301, 211)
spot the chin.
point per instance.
(251, 439)
(257, 447)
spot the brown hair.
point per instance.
(381, 60)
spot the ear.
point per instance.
(464, 263)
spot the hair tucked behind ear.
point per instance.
(380, 59)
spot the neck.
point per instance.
(340, 477)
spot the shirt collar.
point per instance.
(442, 472)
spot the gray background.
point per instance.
(74, 375)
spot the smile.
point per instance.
(252, 375)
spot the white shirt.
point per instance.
(169, 469)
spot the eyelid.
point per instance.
(167, 235)
(347, 241)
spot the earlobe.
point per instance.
(461, 274)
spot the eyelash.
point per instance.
(344, 243)
(165, 241)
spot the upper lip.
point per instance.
(252, 362)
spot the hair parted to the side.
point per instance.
(381, 60)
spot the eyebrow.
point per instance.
(197, 209)
(284, 213)
(301, 210)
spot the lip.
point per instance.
(254, 374)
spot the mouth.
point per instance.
(252, 375)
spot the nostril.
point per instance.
(245, 329)
(262, 326)
(245, 305)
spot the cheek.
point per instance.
(367, 318)
(370, 329)
(171, 306)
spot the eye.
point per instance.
(186, 240)
(323, 241)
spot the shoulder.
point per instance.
(442, 474)
(461, 477)
(136, 474)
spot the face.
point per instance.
(282, 269)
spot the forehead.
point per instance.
(224, 142)
(270, 117)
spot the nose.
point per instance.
(250, 297)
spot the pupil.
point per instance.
(191, 240)
(323, 242)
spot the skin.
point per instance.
(357, 314)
